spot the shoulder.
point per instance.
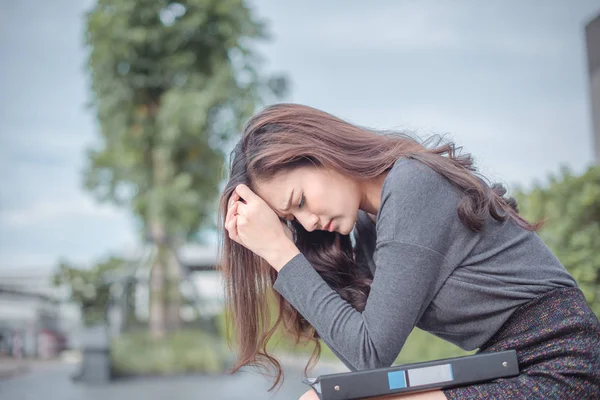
(410, 181)
(413, 174)
(414, 196)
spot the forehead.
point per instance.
(276, 191)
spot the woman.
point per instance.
(437, 248)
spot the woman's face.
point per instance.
(318, 198)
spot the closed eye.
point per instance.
(291, 217)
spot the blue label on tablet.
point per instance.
(397, 379)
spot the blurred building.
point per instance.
(201, 287)
(34, 321)
(201, 265)
(592, 36)
(38, 320)
(200, 281)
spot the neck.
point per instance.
(371, 194)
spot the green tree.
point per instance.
(87, 286)
(570, 205)
(172, 83)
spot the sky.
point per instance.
(506, 80)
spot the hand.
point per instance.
(254, 225)
(287, 230)
(310, 395)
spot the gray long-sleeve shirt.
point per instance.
(430, 271)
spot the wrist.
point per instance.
(282, 255)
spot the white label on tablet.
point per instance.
(429, 375)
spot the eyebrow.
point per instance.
(289, 203)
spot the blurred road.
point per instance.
(52, 380)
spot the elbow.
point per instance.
(374, 362)
(381, 364)
(374, 353)
(370, 365)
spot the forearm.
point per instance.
(282, 255)
(338, 323)
(374, 337)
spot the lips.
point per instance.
(329, 226)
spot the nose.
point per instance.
(307, 220)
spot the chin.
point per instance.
(344, 231)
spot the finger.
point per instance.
(246, 193)
(231, 211)
(232, 229)
(228, 223)
(233, 198)
(242, 209)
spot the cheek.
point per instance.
(335, 201)
(351, 203)
(346, 214)
(345, 203)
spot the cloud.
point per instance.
(44, 212)
(493, 27)
(514, 147)
(78, 229)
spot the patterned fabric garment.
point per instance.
(557, 339)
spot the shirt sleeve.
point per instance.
(410, 268)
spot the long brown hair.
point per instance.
(285, 136)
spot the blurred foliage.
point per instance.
(87, 287)
(419, 346)
(570, 205)
(172, 83)
(184, 351)
(423, 346)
